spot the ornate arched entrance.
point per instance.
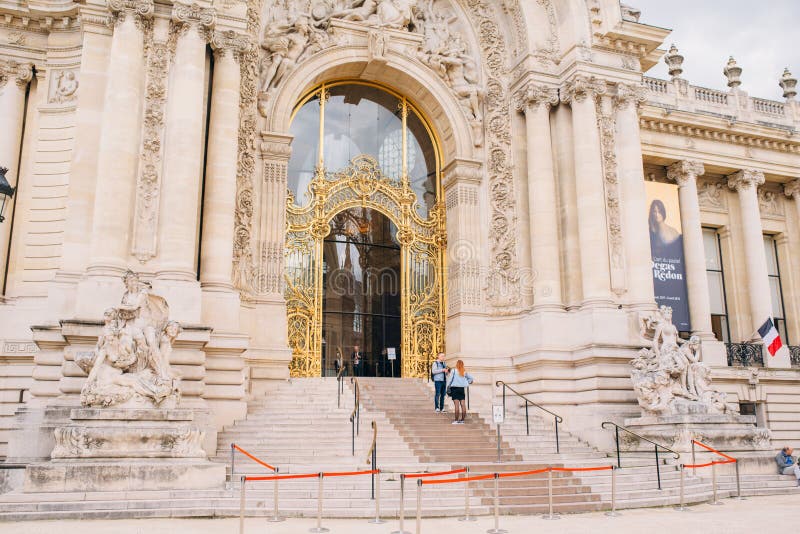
(361, 148)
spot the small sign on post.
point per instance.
(391, 354)
(498, 414)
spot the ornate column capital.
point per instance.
(682, 171)
(534, 95)
(21, 73)
(744, 179)
(630, 94)
(231, 41)
(138, 9)
(193, 15)
(464, 171)
(792, 189)
(580, 87)
(276, 146)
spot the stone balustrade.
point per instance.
(735, 104)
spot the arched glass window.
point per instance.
(359, 119)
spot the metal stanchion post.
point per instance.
(681, 507)
(402, 511)
(496, 529)
(319, 527)
(275, 516)
(419, 505)
(714, 501)
(613, 512)
(550, 514)
(233, 465)
(498, 442)
(241, 506)
(738, 483)
(377, 520)
(466, 499)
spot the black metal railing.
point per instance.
(372, 455)
(656, 446)
(556, 418)
(745, 354)
(794, 355)
(355, 415)
(340, 385)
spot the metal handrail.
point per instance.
(655, 447)
(340, 385)
(556, 418)
(355, 415)
(372, 454)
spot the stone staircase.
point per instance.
(298, 427)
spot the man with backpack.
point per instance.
(439, 372)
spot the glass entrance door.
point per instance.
(361, 305)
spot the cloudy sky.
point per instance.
(761, 35)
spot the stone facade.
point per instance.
(156, 137)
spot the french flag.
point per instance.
(771, 337)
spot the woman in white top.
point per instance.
(459, 381)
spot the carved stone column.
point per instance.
(119, 144)
(14, 79)
(746, 183)
(461, 186)
(220, 300)
(183, 141)
(633, 209)
(581, 92)
(269, 354)
(792, 190)
(542, 198)
(685, 174)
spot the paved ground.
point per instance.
(757, 515)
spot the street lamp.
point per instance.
(6, 192)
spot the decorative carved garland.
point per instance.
(502, 288)
(606, 123)
(246, 165)
(148, 185)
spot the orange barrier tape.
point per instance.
(568, 469)
(265, 464)
(454, 480)
(523, 473)
(697, 466)
(439, 474)
(715, 451)
(282, 477)
(352, 473)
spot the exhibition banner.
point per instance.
(666, 251)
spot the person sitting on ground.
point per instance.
(439, 372)
(787, 464)
(459, 381)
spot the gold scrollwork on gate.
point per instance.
(362, 184)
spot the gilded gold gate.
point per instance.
(362, 184)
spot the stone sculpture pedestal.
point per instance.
(115, 449)
(726, 432)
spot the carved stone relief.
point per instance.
(63, 87)
(770, 203)
(711, 195)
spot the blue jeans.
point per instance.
(438, 398)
